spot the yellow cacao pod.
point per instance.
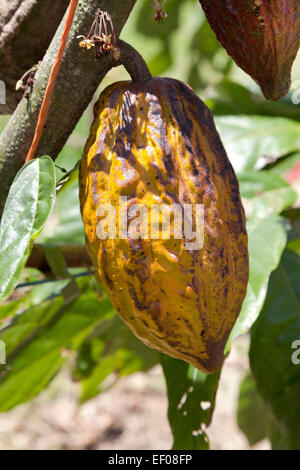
(154, 143)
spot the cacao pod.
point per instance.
(155, 142)
(262, 36)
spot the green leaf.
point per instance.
(113, 349)
(40, 341)
(252, 141)
(275, 350)
(230, 98)
(23, 329)
(266, 193)
(254, 183)
(30, 275)
(57, 263)
(252, 413)
(29, 203)
(294, 245)
(284, 165)
(32, 298)
(191, 397)
(65, 226)
(273, 202)
(267, 240)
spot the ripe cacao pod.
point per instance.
(155, 142)
(262, 36)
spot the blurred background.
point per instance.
(133, 413)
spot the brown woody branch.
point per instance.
(26, 30)
(78, 80)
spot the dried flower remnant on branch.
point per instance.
(26, 82)
(101, 36)
(160, 15)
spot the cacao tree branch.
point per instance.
(26, 30)
(77, 81)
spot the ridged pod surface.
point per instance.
(262, 36)
(155, 142)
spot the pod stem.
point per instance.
(133, 63)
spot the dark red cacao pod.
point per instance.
(262, 36)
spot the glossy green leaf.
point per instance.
(113, 349)
(29, 203)
(284, 165)
(294, 245)
(191, 397)
(252, 414)
(255, 183)
(267, 240)
(23, 328)
(253, 141)
(266, 193)
(65, 225)
(230, 97)
(275, 350)
(41, 340)
(31, 298)
(57, 263)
